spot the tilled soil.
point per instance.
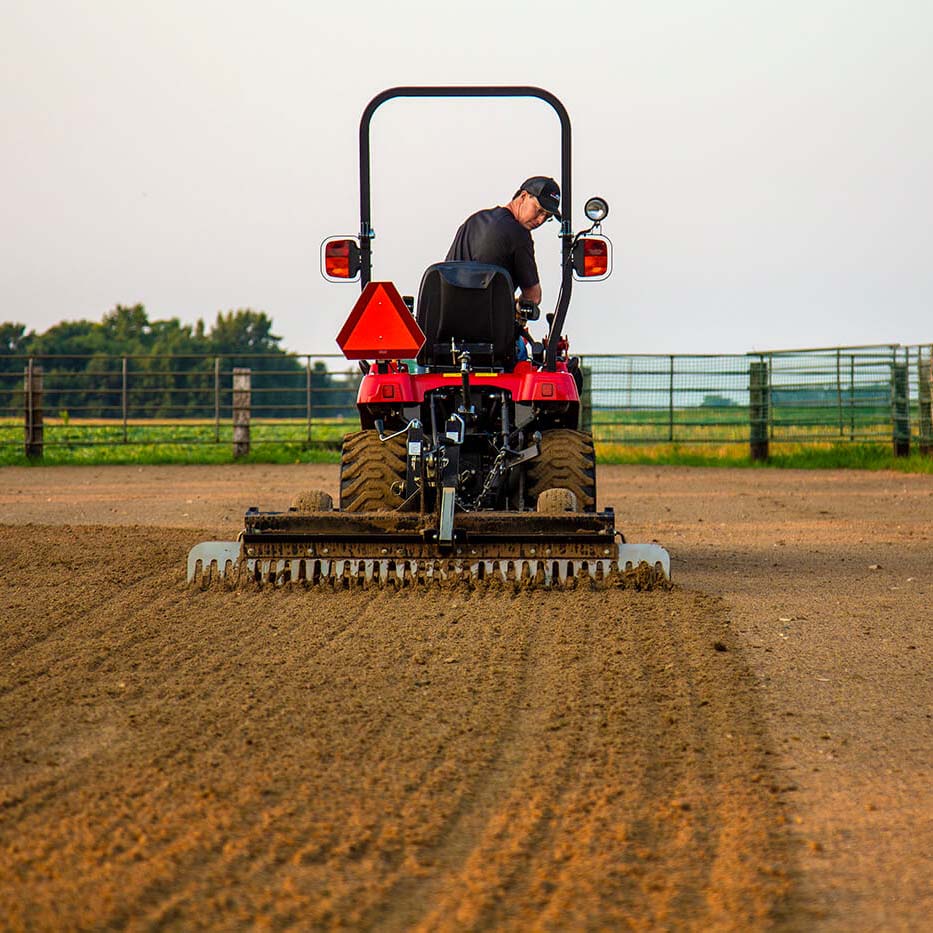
(748, 751)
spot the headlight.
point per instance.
(596, 209)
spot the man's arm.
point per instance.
(532, 293)
(526, 269)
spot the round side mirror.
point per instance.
(596, 210)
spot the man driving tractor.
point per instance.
(502, 236)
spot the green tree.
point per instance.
(14, 343)
(13, 339)
(245, 339)
(243, 331)
(127, 330)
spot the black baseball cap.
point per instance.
(546, 190)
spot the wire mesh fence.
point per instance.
(877, 394)
(103, 400)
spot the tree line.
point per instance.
(170, 367)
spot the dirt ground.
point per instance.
(751, 750)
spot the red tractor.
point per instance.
(469, 462)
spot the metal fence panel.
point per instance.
(844, 394)
(639, 399)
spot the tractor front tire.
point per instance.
(312, 500)
(369, 468)
(556, 502)
(567, 461)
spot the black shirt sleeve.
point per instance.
(526, 269)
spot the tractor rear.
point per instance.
(469, 467)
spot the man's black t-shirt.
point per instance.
(495, 236)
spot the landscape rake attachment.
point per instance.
(339, 549)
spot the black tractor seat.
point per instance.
(467, 306)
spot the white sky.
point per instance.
(769, 165)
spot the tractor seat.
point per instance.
(473, 304)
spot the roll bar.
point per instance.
(566, 228)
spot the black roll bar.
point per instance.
(566, 228)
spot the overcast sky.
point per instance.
(769, 165)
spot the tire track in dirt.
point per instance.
(518, 824)
(708, 781)
(489, 784)
(373, 759)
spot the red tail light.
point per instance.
(595, 258)
(340, 259)
(591, 257)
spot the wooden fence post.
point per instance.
(925, 394)
(759, 404)
(241, 406)
(124, 403)
(900, 408)
(34, 431)
(216, 399)
(308, 395)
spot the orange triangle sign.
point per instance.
(380, 326)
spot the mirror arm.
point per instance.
(560, 312)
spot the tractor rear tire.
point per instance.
(369, 468)
(567, 461)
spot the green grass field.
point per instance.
(798, 456)
(197, 441)
(635, 440)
